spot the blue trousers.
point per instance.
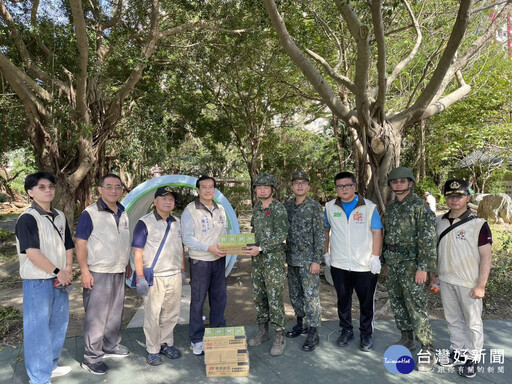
(207, 277)
(45, 321)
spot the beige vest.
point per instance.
(208, 227)
(351, 241)
(51, 245)
(171, 256)
(108, 247)
(458, 259)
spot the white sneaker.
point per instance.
(61, 371)
(197, 348)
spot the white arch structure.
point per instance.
(138, 201)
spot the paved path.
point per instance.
(327, 364)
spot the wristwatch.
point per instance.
(56, 271)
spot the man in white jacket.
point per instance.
(353, 245)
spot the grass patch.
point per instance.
(7, 246)
(9, 216)
(499, 285)
(10, 318)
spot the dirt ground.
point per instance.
(240, 309)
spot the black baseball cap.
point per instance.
(164, 191)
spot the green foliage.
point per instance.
(9, 318)
(499, 286)
(6, 236)
(464, 141)
(428, 185)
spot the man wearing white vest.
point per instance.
(103, 253)
(45, 251)
(158, 234)
(202, 223)
(353, 245)
(464, 263)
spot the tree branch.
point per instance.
(340, 79)
(83, 57)
(378, 27)
(306, 67)
(488, 34)
(416, 111)
(115, 108)
(202, 24)
(419, 37)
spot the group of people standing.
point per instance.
(355, 244)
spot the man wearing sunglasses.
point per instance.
(352, 245)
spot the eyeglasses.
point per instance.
(344, 187)
(300, 183)
(44, 187)
(207, 187)
(112, 187)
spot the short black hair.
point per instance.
(102, 180)
(206, 178)
(345, 175)
(32, 179)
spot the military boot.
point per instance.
(312, 340)
(279, 344)
(261, 336)
(298, 329)
(426, 358)
(407, 340)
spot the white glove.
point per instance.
(327, 259)
(375, 264)
(328, 276)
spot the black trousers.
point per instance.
(364, 283)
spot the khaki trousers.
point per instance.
(464, 317)
(161, 311)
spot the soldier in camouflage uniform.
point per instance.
(304, 249)
(270, 226)
(409, 254)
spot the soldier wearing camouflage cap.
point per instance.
(270, 226)
(409, 254)
(304, 249)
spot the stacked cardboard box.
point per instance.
(225, 352)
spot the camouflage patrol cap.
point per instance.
(300, 176)
(264, 179)
(401, 173)
(456, 187)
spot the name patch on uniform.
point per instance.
(336, 214)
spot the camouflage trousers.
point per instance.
(408, 300)
(305, 294)
(268, 275)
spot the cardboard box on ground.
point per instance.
(226, 352)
